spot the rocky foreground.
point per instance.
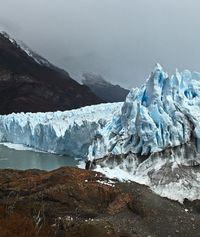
(74, 202)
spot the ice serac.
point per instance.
(155, 140)
(70, 132)
(163, 113)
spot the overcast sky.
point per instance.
(120, 39)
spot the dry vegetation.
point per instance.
(16, 224)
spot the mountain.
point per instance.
(103, 89)
(29, 83)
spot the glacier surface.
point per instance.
(68, 133)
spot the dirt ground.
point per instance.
(71, 202)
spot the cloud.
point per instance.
(120, 39)
(8, 25)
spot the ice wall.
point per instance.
(69, 132)
(163, 113)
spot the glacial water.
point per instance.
(29, 159)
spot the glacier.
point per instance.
(66, 133)
(163, 113)
(155, 140)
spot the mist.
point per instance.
(119, 39)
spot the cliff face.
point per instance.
(29, 83)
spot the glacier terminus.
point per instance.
(161, 114)
(154, 132)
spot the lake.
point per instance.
(29, 159)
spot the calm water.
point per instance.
(13, 159)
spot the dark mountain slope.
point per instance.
(29, 83)
(103, 89)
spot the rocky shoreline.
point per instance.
(74, 202)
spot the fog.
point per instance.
(120, 39)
